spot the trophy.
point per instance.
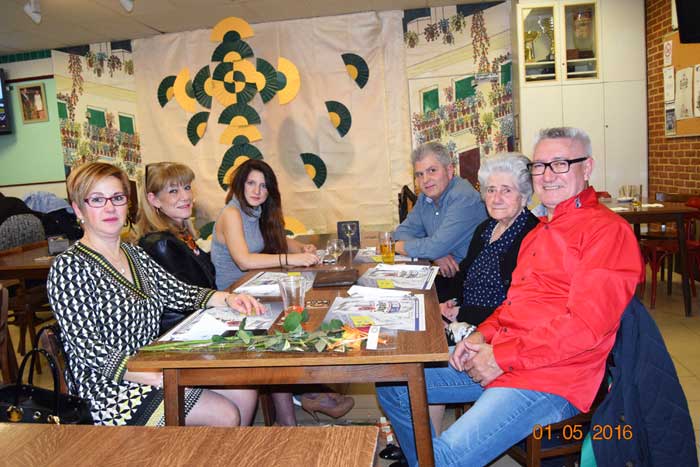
(530, 37)
(547, 26)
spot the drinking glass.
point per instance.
(387, 247)
(293, 290)
(350, 230)
(335, 248)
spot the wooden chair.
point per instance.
(570, 445)
(49, 339)
(659, 248)
(26, 300)
(8, 361)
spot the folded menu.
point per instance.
(335, 278)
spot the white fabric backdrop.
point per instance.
(366, 168)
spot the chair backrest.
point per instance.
(49, 339)
(407, 199)
(20, 229)
(674, 197)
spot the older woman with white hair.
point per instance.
(485, 273)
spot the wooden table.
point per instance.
(60, 445)
(30, 264)
(405, 362)
(670, 212)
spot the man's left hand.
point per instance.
(482, 367)
(448, 266)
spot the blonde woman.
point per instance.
(108, 297)
(167, 233)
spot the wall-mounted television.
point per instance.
(5, 113)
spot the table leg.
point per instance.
(682, 251)
(419, 412)
(173, 398)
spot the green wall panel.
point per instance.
(32, 154)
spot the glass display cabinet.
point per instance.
(558, 41)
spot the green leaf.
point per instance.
(320, 345)
(242, 325)
(291, 322)
(304, 315)
(244, 335)
(217, 339)
(286, 346)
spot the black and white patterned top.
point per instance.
(105, 318)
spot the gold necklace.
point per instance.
(115, 262)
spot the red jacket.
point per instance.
(575, 276)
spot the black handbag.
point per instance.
(27, 403)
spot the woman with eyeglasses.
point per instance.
(108, 297)
(484, 275)
(166, 231)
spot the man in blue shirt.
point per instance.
(447, 211)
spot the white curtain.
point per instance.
(366, 168)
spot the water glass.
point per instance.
(293, 291)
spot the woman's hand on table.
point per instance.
(244, 303)
(302, 259)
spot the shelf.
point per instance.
(539, 63)
(581, 60)
(548, 76)
(582, 73)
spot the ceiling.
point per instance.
(77, 22)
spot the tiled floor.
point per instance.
(682, 336)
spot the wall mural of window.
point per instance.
(431, 100)
(463, 52)
(95, 124)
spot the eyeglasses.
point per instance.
(100, 201)
(561, 166)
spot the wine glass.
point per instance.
(335, 248)
(350, 230)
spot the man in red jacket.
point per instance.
(540, 357)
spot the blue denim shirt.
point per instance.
(432, 231)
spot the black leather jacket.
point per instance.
(180, 261)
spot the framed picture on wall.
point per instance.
(33, 103)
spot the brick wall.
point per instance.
(674, 163)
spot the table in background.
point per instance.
(30, 264)
(404, 362)
(670, 212)
(59, 445)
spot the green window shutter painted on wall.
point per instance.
(464, 88)
(126, 124)
(96, 118)
(431, 100)
(62, 110)
(506, 72)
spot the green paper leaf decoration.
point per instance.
(199, 84)
(234, 157)
(340, 116)
(221, 70)
(315, 168)
(197, 126)
(247, 93)
(246, 112)
(271, 84)
(357, 68)
(238, 50)
(165, 90)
